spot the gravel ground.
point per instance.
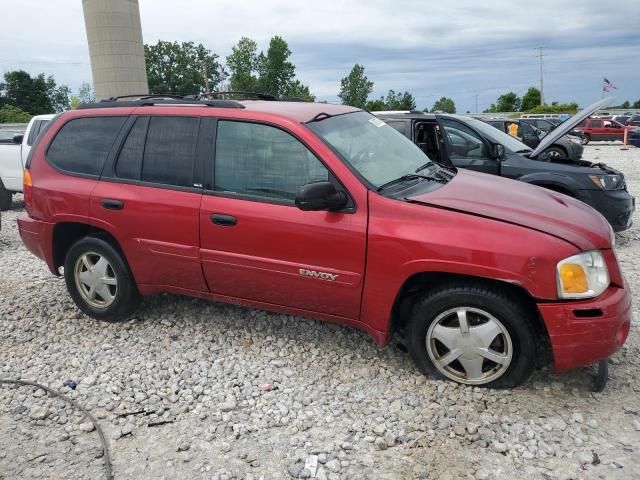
(176, 390)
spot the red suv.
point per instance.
(600, 129)
(323, 211)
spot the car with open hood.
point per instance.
(322, 211)
(470, 143)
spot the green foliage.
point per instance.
(636, 104)
(243, 64)
(393, 101)
(179, 68)
(11, 114)
(625, 104)
(85, 95)
(509, 102)
(270, 73)
(35, 95)
(531, 99)
(555, 107)
(355, 88)
(445, 104)
(297, 90)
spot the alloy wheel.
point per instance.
(469, 345)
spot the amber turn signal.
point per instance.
(26, 178)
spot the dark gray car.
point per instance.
(470, 143)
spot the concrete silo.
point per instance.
(115, 47)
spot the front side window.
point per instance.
(169, 151)
(463, 142)
(596, 124)
(263, 162)
(375, 150)
(83, 144)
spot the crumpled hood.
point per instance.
(522, 204)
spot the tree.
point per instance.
(355, 88)
(275, 70)
(271, 73)
(35, 95)
(445, 104)
(625, 104)
(180, 68)
(556, 107)
(297, 90)
(509, 102)
(242, 64)
(393, 101)
(376, 105)
(531, 99)
(85, 95)
(11, 114)
(636, 104)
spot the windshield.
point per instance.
(377, 151)
(497, 136)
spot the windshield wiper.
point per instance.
(404, 178)
(524, 150)
(423, 167)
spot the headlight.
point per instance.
(582, 276)
(608, 182)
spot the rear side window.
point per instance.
(596, 124)
(169, 151)
(400, 126)
(130, 158)
(82, 145)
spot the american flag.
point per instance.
(607, 85)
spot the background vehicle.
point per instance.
(547, 124)
(13, 155)
(470, 143)
(324, 211)
(634, 120)
(602, 129)
(563, 147)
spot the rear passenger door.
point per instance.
(257, 245)
(149, 199)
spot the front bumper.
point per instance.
(585, 332)
(617, 206)
(37, 236)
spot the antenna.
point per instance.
(540, 55)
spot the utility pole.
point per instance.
(476, 95)
(540, 55)
(206, 77)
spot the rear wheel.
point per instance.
(5, 198)
(584, 139)
(99, 280)
(473, 335)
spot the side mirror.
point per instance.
(497, 151)
(320, 196)
(18, 138)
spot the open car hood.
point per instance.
(568, 125)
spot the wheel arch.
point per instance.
(419, 283)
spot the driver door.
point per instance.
(466, 148)
(257, 245)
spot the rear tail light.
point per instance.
(27, 188)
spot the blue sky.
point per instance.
(456, 49)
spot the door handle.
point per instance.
(112, 204)
(224, 220)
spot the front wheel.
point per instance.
(584, 139)
(555, 153)
(473, 335)
(99, 280)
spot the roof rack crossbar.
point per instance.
(144, 96)
(258, 95)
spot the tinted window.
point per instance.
(130, 158)
(263, 162)
(596, 124)
(399, 126)
(170, 150)
(82, 145)
(35, 130)
(463, 141)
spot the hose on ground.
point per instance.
(105, 445)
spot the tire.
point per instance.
(588, 139)
(5, 198)
(584, 139)
(115, 294)
(433, 317)
(555, 152)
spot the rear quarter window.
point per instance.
(83, 144)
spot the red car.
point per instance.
(601, 129)
(323, 211)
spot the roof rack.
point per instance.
(251, 96)
(149, 100)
